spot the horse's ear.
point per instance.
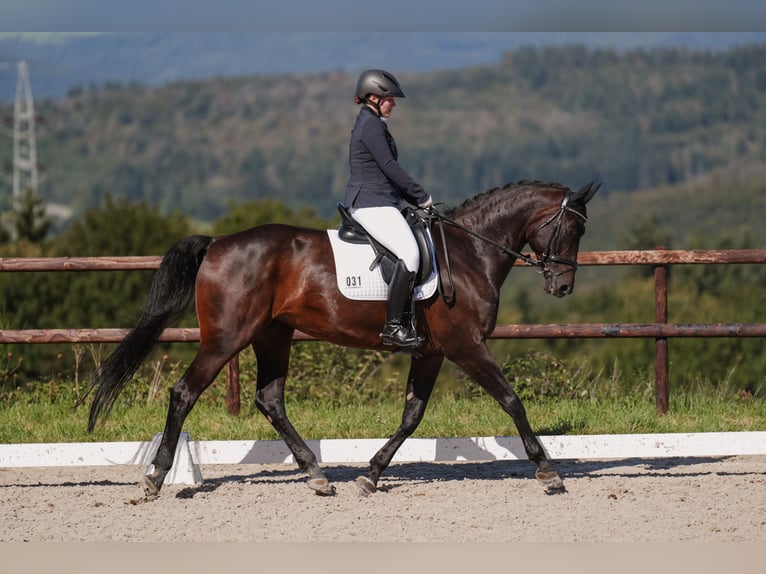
(586, 192)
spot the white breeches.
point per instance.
(388, 226)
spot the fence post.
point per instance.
(232, 386)
(661, 343)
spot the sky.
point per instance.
(399, 15)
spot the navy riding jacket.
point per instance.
(376, 178)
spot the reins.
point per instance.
(541, 263)
(441, 220)
(526, 258)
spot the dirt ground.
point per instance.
(636, 500)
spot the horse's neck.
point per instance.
(504, 218)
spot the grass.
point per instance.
(365, 400)
(447, 416)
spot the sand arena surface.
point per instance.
(635, 500)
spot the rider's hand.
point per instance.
(427, 203)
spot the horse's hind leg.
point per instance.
(272, 351)
(183, 395)
(481, 367)
(420, 383)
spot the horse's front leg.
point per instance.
(482, 368)
(420, 383)
(272, 351)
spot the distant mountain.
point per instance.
(58, 63)
(634, 120)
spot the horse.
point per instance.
(257, 287)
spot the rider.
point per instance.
(378, 190)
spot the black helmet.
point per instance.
(378, 82)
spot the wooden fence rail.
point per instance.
(660, 330)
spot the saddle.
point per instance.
(351, 231)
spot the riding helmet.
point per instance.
(378, 82)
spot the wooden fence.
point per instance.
(660, 330)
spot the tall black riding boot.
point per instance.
(400, 319)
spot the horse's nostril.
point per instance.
(565, 290)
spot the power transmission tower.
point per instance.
(25, 178)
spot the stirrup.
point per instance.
(399, 336)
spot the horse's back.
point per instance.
(263, 244)
(267, 257)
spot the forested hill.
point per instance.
(633, 120)
(58, 61)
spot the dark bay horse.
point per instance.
(258, 286)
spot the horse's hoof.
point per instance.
(551, 481)
(366, 486)
(151, 490)
(321, 486)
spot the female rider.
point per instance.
(378, 190)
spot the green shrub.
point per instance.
(327, 373)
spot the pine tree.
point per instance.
(31, 221)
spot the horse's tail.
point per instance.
(170, 298)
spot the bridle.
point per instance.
(541, 263)
(555, 219)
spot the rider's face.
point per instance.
(387, 104)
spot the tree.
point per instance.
(5, 235)
(30, 221)
(122, 227)
(108, 299)
(92, 299)
(254, 213)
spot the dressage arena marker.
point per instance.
(190, 455)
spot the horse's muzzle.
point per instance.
(563, 290)
(559, 285)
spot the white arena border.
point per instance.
(190, 454)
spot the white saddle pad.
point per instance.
(356, 281)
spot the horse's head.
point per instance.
(555, 239)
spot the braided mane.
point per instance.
(484, 197)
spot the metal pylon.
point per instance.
(25, 178)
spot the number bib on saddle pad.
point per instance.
(356, 281)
